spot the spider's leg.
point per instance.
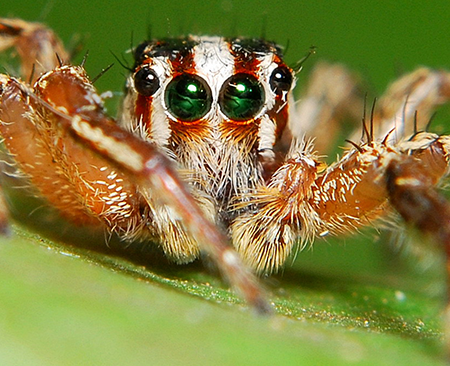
(332, 97)
(38, 47)
(413, 194)
(408, 105)
(82, 187)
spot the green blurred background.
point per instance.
(344, 303)
(378, 38)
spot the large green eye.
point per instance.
(242, 97)
(188, 97)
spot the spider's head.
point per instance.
(216, 105)
(190, 88)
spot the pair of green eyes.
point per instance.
(189, 98)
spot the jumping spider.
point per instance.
(209, 148)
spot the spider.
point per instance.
(209, 153)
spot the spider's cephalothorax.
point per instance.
(216, 106)
(206, 143)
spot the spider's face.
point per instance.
(217, 106)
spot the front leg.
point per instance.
(300, 202)
(63, 116)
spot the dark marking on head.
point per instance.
(179, 52)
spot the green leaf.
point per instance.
(62, 305)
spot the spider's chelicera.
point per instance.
(210, 153)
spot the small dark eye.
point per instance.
(281, 80)
(188, 97)
(242, 97)
(146, 82)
